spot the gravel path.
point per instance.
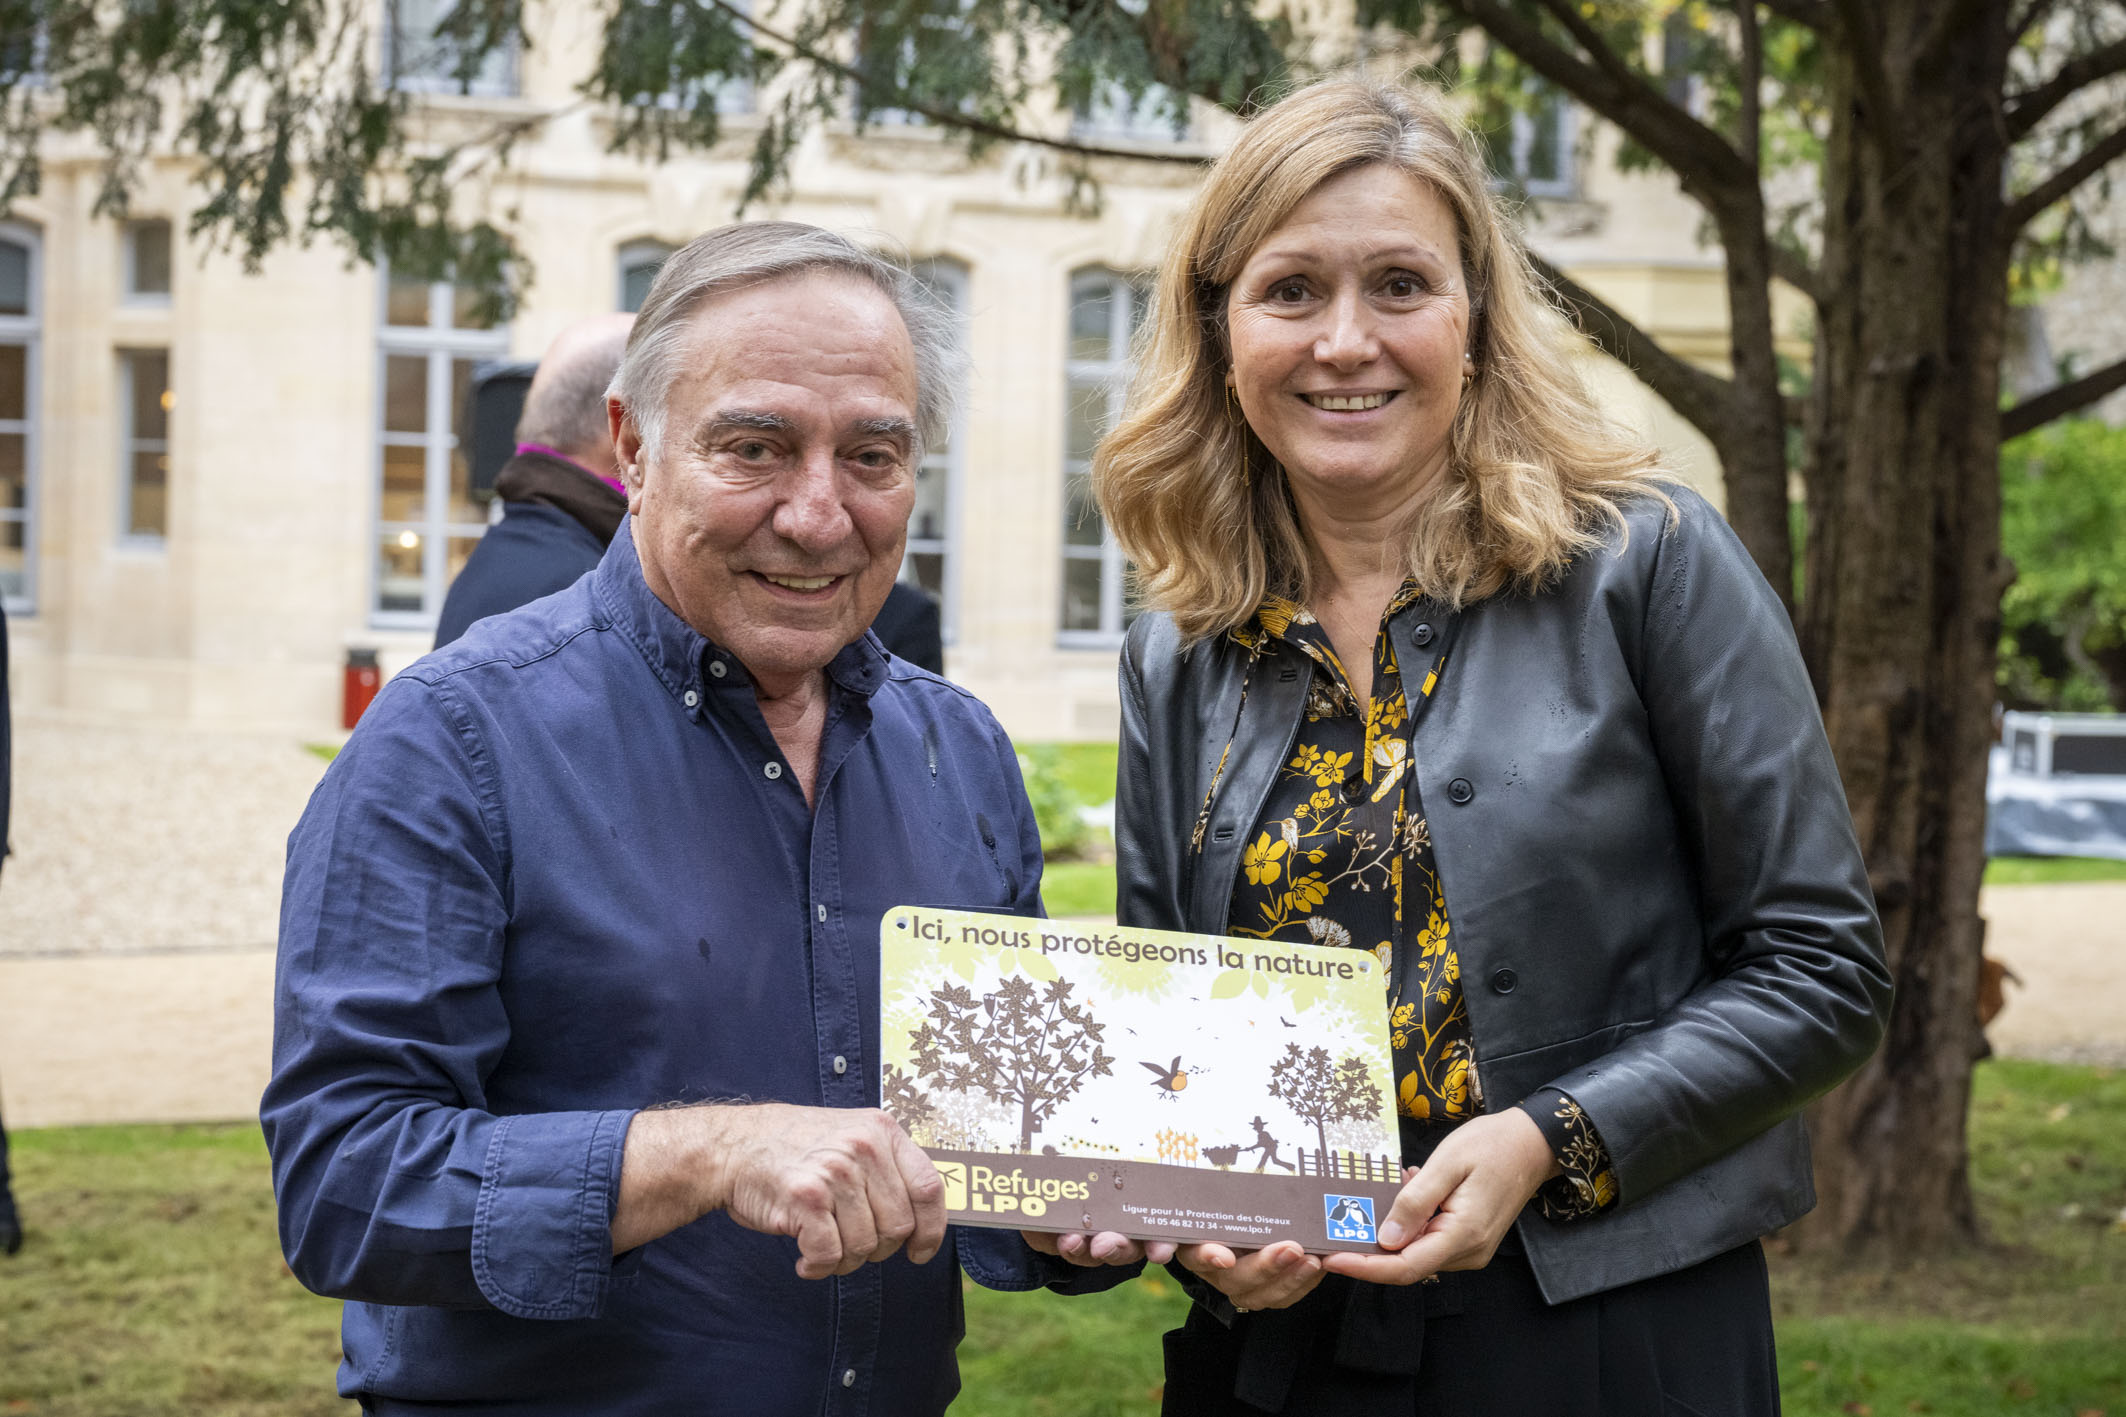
(137, 923)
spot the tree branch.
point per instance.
(2028, 109)
(1706, 163)
(1794, 268)
(2098, 155)
(2062, 399)
(1703, 399)
(945, 117)
(1750, 118)
(1867, 61)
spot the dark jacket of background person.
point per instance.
(909, 626)
(1658, 900)
(559, 874)
(557, 519)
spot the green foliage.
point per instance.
(2063, 524)
(1056, 808)
(1078, 888)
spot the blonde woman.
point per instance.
(1439, 666)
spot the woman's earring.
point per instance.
(1240, 423)
(1468, 368)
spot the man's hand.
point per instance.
(1453, 1211)
(847, 1185)
(1093, 1251)
(1273, 1277)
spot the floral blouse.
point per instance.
(1342, 856)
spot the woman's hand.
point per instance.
(1455, 1210)
(1093, 1251)
(1274, 1277)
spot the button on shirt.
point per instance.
(558, 875)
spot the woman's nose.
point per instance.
(1348, 339)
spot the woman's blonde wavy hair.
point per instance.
(1535, 471)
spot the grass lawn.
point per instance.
(2050, 870)
(152, 1283)
(1088, 769)
(1078, 888)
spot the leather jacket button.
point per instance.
(1422, 635)
(1503, 981)
(1460, 792)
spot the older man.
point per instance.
(577, 1026)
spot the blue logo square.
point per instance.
(1349, 1217)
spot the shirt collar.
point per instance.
(679, 655)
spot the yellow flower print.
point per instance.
(1278, 614)
(1387, 713)
(1307, 892)
(1454, 1087)
(1409, 1101)
(1452, 970)
(1433, 938)
(1391, 756)
(1322, 800)
(1261, 860)
(1329, 768)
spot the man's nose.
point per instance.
(1348, 338)
(811, 512)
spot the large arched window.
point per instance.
(21, 310)
(1105, 310)
(426, 519)
(933, 528)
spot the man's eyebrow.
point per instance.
(756, 420)
(888, 426)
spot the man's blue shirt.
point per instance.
(560, 873)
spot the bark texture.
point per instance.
(1904, 574)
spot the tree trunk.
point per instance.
(1026, 1127)
(1901, 614)
(1751, 441)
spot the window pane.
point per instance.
(1089, 315)
(14, 279)
(14, 487)
(405, 485)
(14, 564)
(928, 571)
(1087, 423)
(398, 582)
(406, 301)
(927, 523)
(150, 378)
(1081, 519)
(462, 506)
(14, 381)
(405, 393)
(1081, 593)
(148, 506)
(465, 309)
(150, 241)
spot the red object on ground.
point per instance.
(362, 680)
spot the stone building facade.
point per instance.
(214, 484)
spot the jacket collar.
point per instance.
(679, 655)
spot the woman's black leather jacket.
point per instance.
(1658, 901)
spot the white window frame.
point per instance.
(1567, 181)
(439, 343)
(1112, 117)
(633, 256)
(506, 61)
(1113, 375)
(949, 278)
(26, 330)
(130, 443)
(130, 291)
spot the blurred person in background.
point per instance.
(562, 499)
(1441, 666)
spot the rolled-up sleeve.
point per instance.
(396, 1182)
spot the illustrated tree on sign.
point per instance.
(907, 1103)
(1024, 1044)
(1322, 1090)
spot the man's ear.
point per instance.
(627, 449)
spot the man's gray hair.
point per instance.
(735, 257)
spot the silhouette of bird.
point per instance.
(1171, 1078)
